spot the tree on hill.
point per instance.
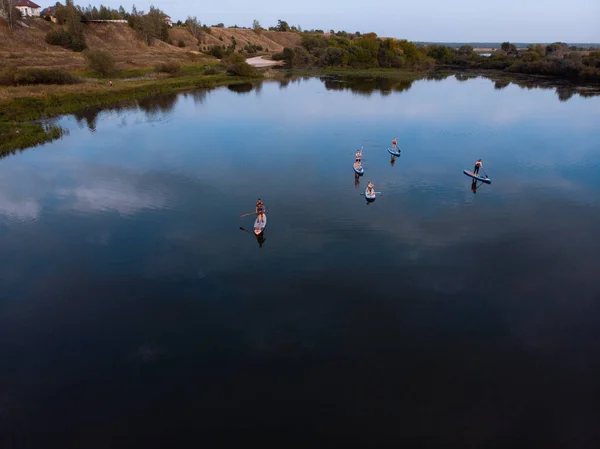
(194, 27)
(100, 61)
(150, 26)
(11, 13)
(282, 25)
(256, 26)
(70, 16)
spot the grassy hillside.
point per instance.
(24, 51)
(26, 47)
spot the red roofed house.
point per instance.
(50, 11)
(28, 8)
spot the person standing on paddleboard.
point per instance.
(394, 143)
(260, 208)
(478, 165)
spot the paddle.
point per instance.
(379, 193)
(484, 173)
(245, 215)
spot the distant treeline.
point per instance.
(556, 60)
(150, 26)
(368, 51)
(497, 45)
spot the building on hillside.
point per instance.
(169, 21)
(50, 11)
(28, 8)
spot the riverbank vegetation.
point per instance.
(355, 51)
(18, 136)
(20, 105)
(367, 51)
(557, 60)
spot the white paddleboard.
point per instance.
(260, 223)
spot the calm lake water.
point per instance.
(134, 311)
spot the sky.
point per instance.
(576, 21)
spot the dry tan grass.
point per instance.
(26, 47)
(272, 40)
(40, 90)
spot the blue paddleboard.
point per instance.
(477, 177)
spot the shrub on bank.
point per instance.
(217, 51)
(242, 69)
(237, 66)
(65, 39)
(210, 71)
(252, 48)
(170, 67)
(35, 76)
(100, 61)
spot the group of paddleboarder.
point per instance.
(358, 161)
(261, 211)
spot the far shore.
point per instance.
(22, 106)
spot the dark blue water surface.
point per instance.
(134, 311)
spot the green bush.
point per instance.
(35, 76)
(7, 77)
(77, 44)
(252, 48)
(234, 58)
(242, 69)
(65, 39)
(100, 61)
(216, 51)
(210, 71)
(59, 37)
(170, 67)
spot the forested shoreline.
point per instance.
(359, 51)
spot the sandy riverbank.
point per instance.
(259, 62)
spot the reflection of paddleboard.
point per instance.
(260, 224)
(369, 196)
(359, 169)
(477, 177)
(394, 152)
